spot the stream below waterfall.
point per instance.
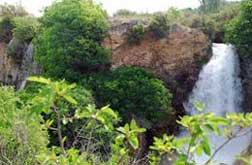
(219, 88)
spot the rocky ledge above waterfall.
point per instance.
(177, 58)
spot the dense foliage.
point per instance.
(22, 136)
(25, 28)
(7, 14)
(134, 93)
(160, 26)
(55, 122)
(136, 34)
(70, 40)
(239, 31)
(24, 131)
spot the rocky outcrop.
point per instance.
(246, 76)
(16, 63)
(177, 58)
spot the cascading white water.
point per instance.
(219, 88)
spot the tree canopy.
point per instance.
(70, 39)
(238, 31)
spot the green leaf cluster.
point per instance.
(136, 34)
(22, 136)
(134, 92)
(26, 28)
(69, 43)
(238, 31)
(196, 143)
(160, 25)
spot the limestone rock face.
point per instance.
(246, 76)
(16, 63)
(177, 58)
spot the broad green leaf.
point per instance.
(206, 147)
(199, 150)
(109, 111)
(39, 80)
(133, 125)
(199, 106)
(70, 99)
(134, 142)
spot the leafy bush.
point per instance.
(25, 28)
(134, 93)
(23, 132)
(136, 34)
(6, 27)
(228, 13)
(59, 101)
(22, 136)
(200, 127)
(70, 41)
(79, 94)
(238, 31)
(7, 13)
(173, 15)
(160, 26)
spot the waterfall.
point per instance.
(219, 88)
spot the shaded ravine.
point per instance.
(219, 88)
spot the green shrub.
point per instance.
(80, 94)
(76, 124)
(23, 132)
(136, 34)
(238, 31)
(22, 136)
(6, 27)
(70, 42)
(25, 28)
(160, 26)
(134, 93)
(228, 13)
(173, 15)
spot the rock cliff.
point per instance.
(246, 76)
(177, 58)
(16, 63)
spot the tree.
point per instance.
(238, 31)
(25, 28)
(7, 14)
(70, 40)
(135, 94)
